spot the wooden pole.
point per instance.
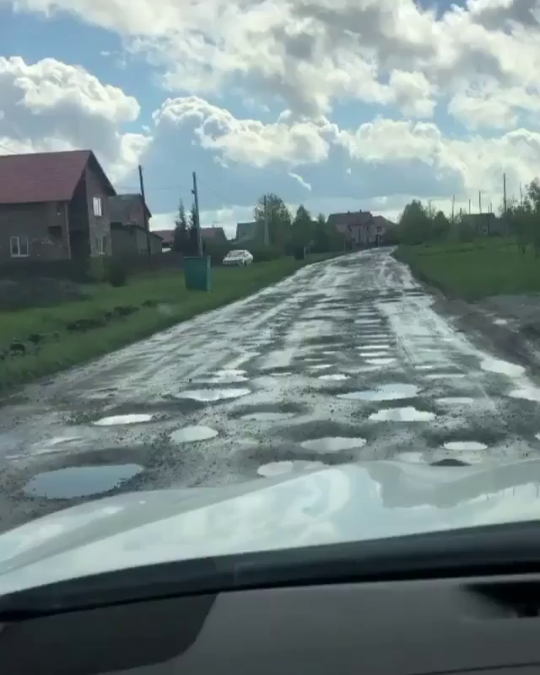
(197, 218)
(145, 215)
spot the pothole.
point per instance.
(334, 378)
(224, 377)
(279, 468)
(386, 392)
(502, 367)
(211, 395)
(193, 434)
(527, 394)
(123, 419)
(82, 481)
(322, 366)
(408, 414)
(455, 400)
(450, 462)
(267, 416)
(464, 446)
(333, 444)
(372, 355)
(380, 361)
(445, 376)
(368, 322)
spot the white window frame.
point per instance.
(97, 207)
(19, 239)
(100, 244)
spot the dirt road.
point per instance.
(347, 360)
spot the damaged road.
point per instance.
(348, 360)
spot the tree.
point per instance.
(415, 225)
(321, 235)
(441, 226)
(181, 233)
(278, 216)
(302, 228)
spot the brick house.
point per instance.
(128, 227)
(54, 206)
(359, 228)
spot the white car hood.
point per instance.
(345, 503)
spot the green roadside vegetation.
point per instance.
(475, 270)
(478, 255)
(155, 301)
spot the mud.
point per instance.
(349, 360)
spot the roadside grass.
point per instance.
(475, 270)
(167, 288)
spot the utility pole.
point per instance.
(504, 192)
(480, 201)
(197, 219)
(145, 215)
(265, 202)
(469, 207)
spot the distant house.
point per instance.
(128, 230)
(167, 238)
(54, 206)
(358, 228)
(484, 224)
(249, 233)
(214, 235)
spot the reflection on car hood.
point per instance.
(346, 503)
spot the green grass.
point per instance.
(167, 287)
(475, 270)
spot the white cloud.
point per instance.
(289, 141)
(50, 105)
(412, 93)
(299, 178)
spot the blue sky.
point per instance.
(357, 104)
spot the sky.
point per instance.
(336, 104)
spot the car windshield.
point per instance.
(366, 366)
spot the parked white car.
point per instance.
(239, 258)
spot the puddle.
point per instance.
(501, 322)
(123, 419)
(329, 352)
(424, 367)
(210, 395)
(267, 416)
(502, 367)
(280, 468)
(56, 444)
(225, 377)
(386, 392)
(414, 457)
(455, 400)
(367, 355)
(368, 322)
(402, 415)
(375, 348)
(335, 378)
(380, 362)
(446, 376)
(323, 366)
(193, 434)
(449, 462)
(527, 393)
(81, 481)
(333, 444)
(464, 446)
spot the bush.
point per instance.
(266, 253)
(116, 274)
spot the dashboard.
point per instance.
(413, 627)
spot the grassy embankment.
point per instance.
(62, 348)
(475, 270)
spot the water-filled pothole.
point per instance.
(380, 361)
(211, 395)
(386, 392)
(225, 377)
(465, 446)
(123, 419)
(408, 414)
(267, 416)
(455, 400)
(333, 444)
(336, 377)
(322, 366)
(374, 355)
(279, 468)
(81, 481)
(449, 462)
(193, 434)
(527, 394)
(502, 367)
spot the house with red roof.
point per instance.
(54, 206)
